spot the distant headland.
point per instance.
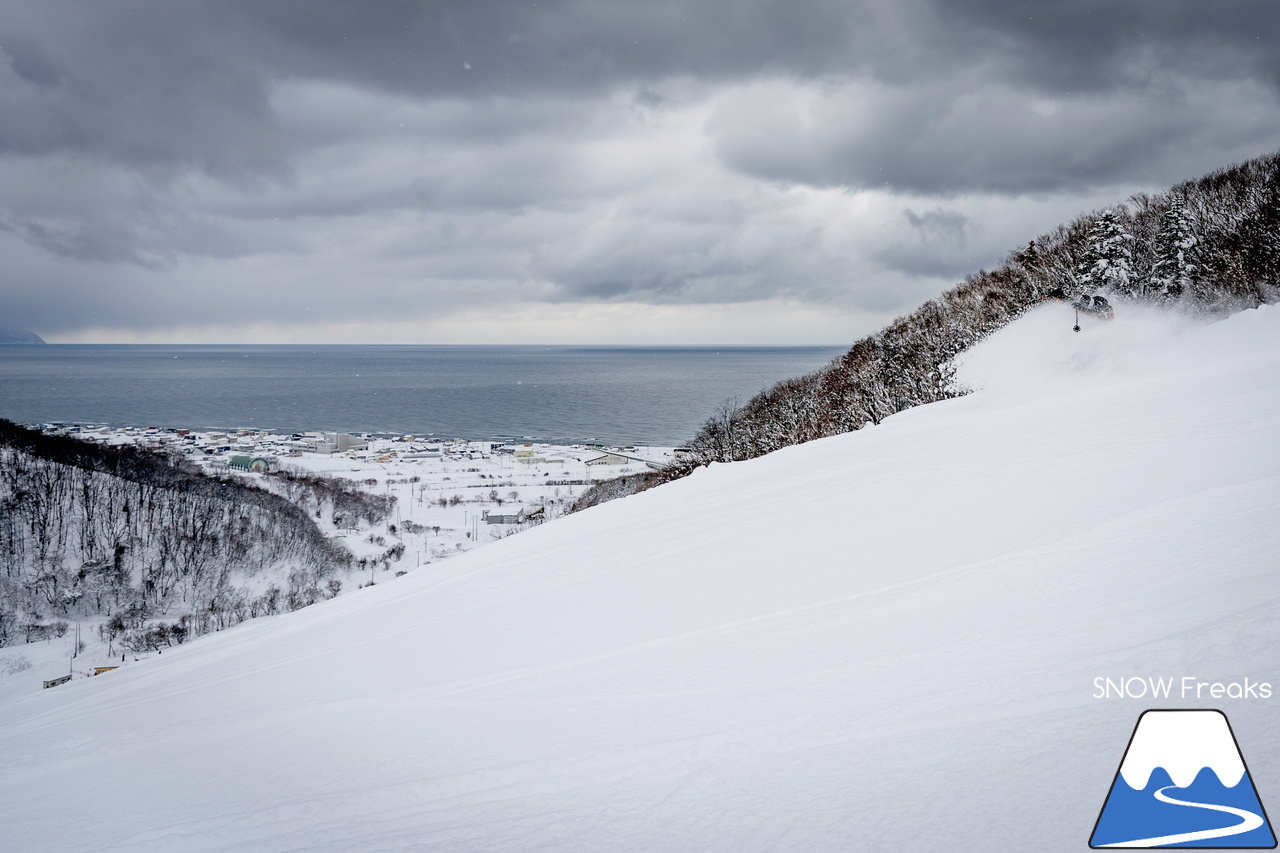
(15, 335)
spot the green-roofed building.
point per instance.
(260, 464)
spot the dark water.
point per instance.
(637, 395)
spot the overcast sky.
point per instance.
(576, 171)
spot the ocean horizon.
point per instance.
(642, 395)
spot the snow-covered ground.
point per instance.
(446, 485)
(886, 640)
(449, 491)
(443, 491)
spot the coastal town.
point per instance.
(451, 495)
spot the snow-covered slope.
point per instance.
(881, 641)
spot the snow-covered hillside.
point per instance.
(885, 640)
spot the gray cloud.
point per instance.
(158, 84)
(163, 165)
(965, 134)
(1090, 45)
(937, 245)
(947, 227)
(941, 244)
(137, 83)
(97, 241)
(153, 83)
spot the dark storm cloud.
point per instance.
(152, 85)
(169, 161)
(973, 134)
(1020, 96)
(579, 44)
(92, 241)
(1090, 45)
(155, 84)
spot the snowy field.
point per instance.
(886, 640)
(445, 497)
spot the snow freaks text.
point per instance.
(1173, 687)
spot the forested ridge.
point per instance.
(118, 531)
(1210, 245)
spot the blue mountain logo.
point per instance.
(1183, 783)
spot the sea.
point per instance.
(656, 396)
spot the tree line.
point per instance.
(88, 529)
(1210, 245)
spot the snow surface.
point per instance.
(880, 641)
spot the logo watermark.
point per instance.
(1182, 783)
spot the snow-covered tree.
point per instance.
(1174, 266)
(1108, 258)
